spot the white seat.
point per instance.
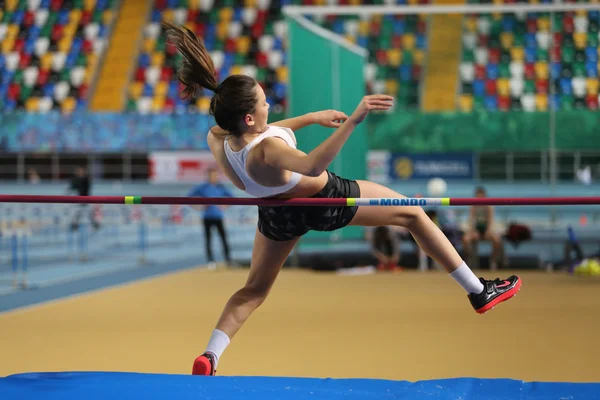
(217, 57)
(61, 91)
(517, 69)
(152, 75)
(543, 39)
(77, 76)
(280, 29)
(152, 30)
(516, 86)
(180, 15)
(275, 59)
(235, 29)
(581, 24)
(91, 31)
(467, 72)
(379, 86)
(45, 104)
(249, 16)
(33, 5)
(528, 102)
(481, 55)
(250, 70)
(58, 61)
(144, 105)
(265, 43)
(351, 27)
(30, 76)
(41, 16)
(263, 4)
(41, 46)
(3, 29)
(98, 45)
(483, 26)
(370, 71)
(205, 5)
(469, 40)
(12, 60)
(578, 84)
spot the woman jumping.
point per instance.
(262, 160)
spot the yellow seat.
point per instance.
(541, 70)
(167, 15)
(149, 45)
(203, 104)
(503, 86)
(507, 39)
(243, 44)
(161, 89)
(418, 56)
(89, 74)
(46, 61)
(158, 59)
(394, 58)
(320, 2)
(517, 54)
(31, 104)
(236, 70)
(222, 30)
(89, 5)
(497, 16)
(471, 23)
(135, 90)
(158, 104)
(465, 103)
(7, 45)
(391, 87)
(541, 102)
(363, 28)
(408, 41)
(191, 25)
(107, 17)
(355, 2)
(580, 40)
(70, 30)
(1, 14)
(282, 74)
(499, 2)
(64, 44)
(413, 2)
(350, 38)
(11, 5)
(250, 3)
(68, 105)
(12, 31)
(74, 16)
(543, 24)
(592, 86)
(225, 14)
(193, 5)
(581, 13)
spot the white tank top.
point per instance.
(237, 160)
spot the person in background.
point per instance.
(386, 249)
(213, 216)
(80, 185)
(481, 227)
(34, 177)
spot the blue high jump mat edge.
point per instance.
(125, 385)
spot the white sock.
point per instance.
(217, 344)
(467, 279)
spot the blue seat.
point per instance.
(174, 89)
(492, 71)
(34, 32)
(565, 86)
(10, 105)
(491, 103)
(172, 3)
(421, 42)
(70, 61)
(530, 54)
(338, 27)
(156, 16)
(594, 15)
(7, 76)
(101, 4)
(144, 60)
(405, 72)
(280, 90)
(479, 87)
(2, 60)
(363, 41)
(237, 14)
(63, 17)
(45, 4)
(555, 70)
(591, 54)
(399, 27)
(591, 69)
(554, 101)
(508, 23)
(278, 44)
(48, 90)
(17, 17)
(29, 46)
(530, 40)
(3, 88)
(77, 44)
(148, 90)
(102, 31)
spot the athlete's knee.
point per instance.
(408, 217)
(256, 292)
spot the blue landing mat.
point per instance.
(117, 385)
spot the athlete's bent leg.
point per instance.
(268, 257)
(483, 294)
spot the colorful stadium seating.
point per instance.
(530, 61)
(49, 50)
(249, 37)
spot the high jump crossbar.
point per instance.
(246, 201)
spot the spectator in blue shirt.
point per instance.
(213, 214)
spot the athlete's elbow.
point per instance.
(314, 171)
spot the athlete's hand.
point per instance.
(374, 102)
(330, 118)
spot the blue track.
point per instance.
(114, 385)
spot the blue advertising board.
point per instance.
(427, 166)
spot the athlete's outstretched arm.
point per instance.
(327, 118)
(279, 155)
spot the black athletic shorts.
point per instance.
(288, 222)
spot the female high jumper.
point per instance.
(262, 160)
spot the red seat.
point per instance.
(14, 90)
(86, 18)
(28, 19)
(568, 25)
(397, 41)
(192, 15)
(257, 30)
(541, 86)
(87, 47)
(19, 45)
(166, 73)
(504, 103)
(140, 74)
(381, 57)
(529, 71)
(531, 25)
(43, 76)
(25, 60)
(57, 32)
(169, 104)
(200, 29)
(171, 50)
(416, 72)
(55, 5)
(422, 27)
(160, 4)
(555, 53)
(230, 45)
(83, 90)
(592, 102)
(557, 39)
(479, 71)
(494, 56)
(261, 60)
(490, 87)
(375, 28)
(482, 41)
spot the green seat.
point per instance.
(261, 74)
(567, 102)
(542, 55)
(579, 69)
(78, 4)
(25, 92)
(219, 45)
(494, 41)
(81, 60)
(160, 44)
(183, 3)
(568, 55)
(52, 17)
(407, 57)
(228, 3)
(239, 59)
(505, 56)
(385, 42)
(496, 27)
(592, 39)
(46, 30)
(7, 17)
(380, 73)
(520, 30)
(131, 105)
(504, 70)
(213, 15)
(519, 39)
(97, 16)
(18, 78)
(478, 103)
(557, 24)
(65, 74)
(468, 56)
(529, 86)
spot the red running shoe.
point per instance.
(204, 365)
(494, 292)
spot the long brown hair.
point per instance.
(233, 98)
